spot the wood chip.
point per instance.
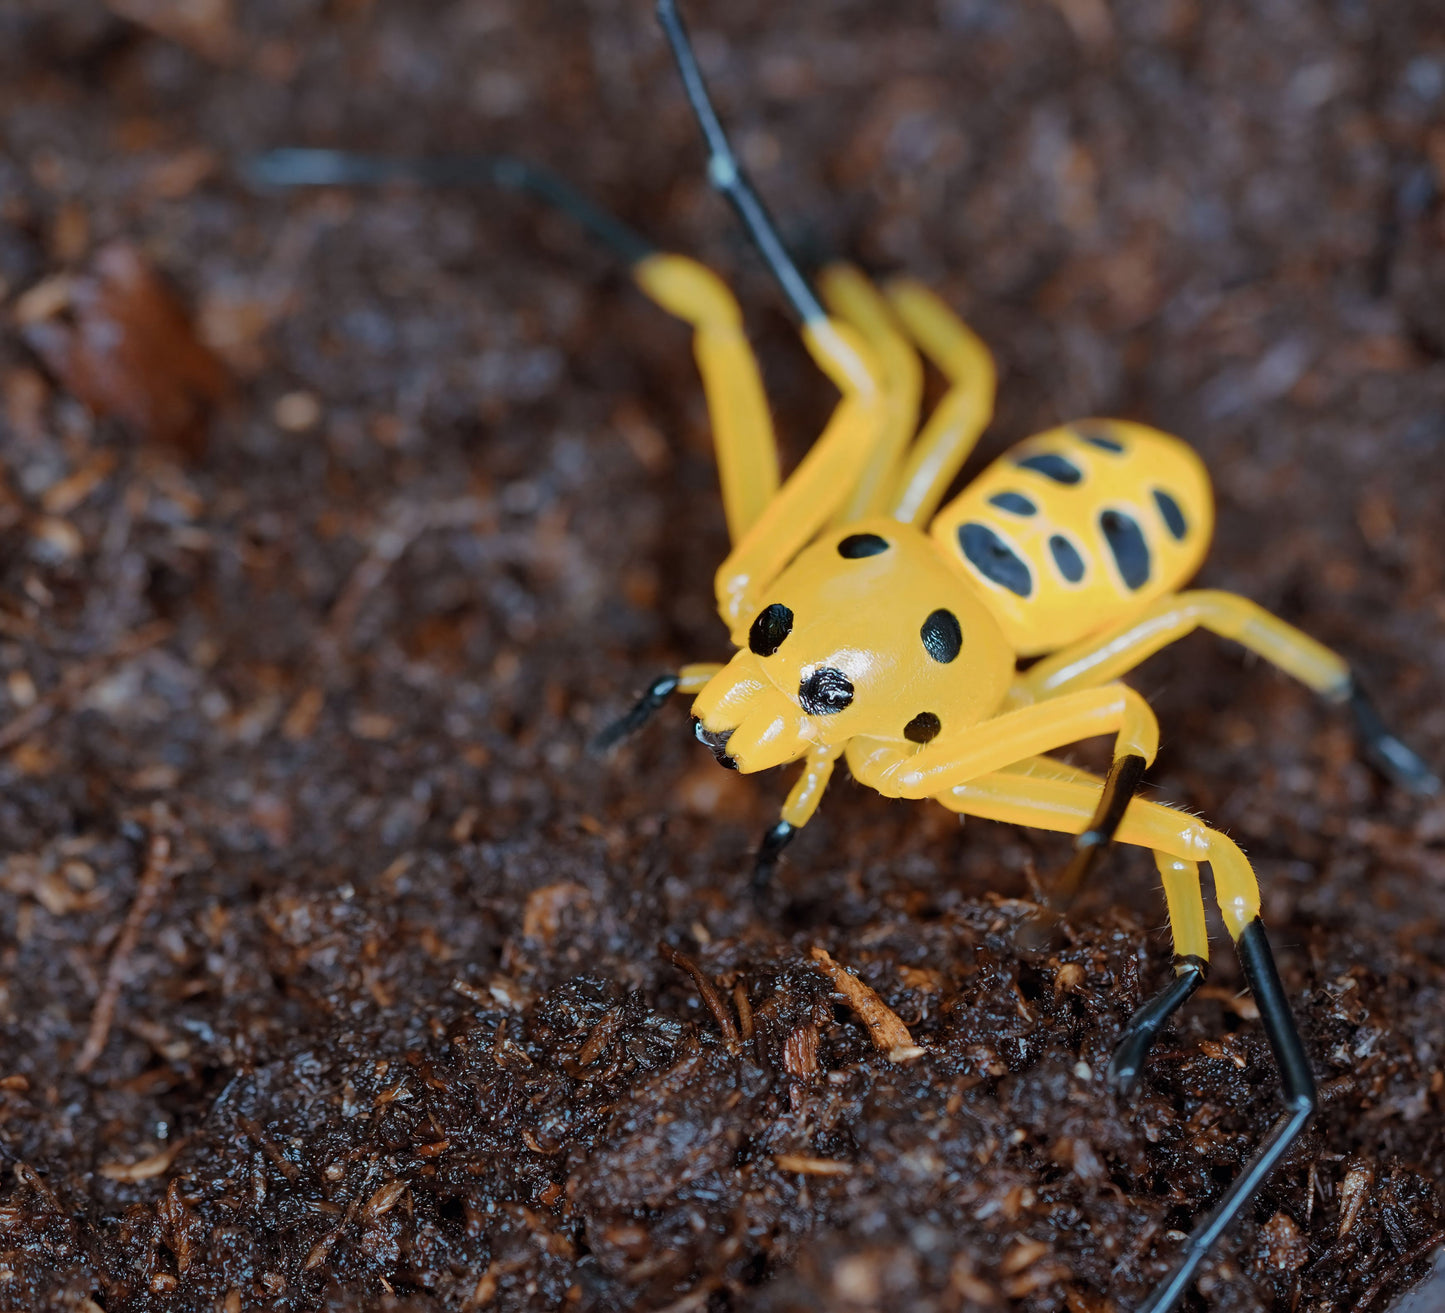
(143, 1169)
(887, 1031)
(795, 1162)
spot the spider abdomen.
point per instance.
(1075, 529)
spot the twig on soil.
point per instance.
(808, 1166)
(152, 881)
(707, 989)
(885, 1028)
(1420, 1251)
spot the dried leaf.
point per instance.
(118, 338)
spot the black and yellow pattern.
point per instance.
(1080, 527)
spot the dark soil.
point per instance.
(329, 969)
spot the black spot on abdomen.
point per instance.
(1126, 542)
(825, 692)
(994, 559)
(923, 728)
(858, 545)
(1098, 435)
(942, 636)
(1015, 503)
(1067, 558)
(1172, 515)
(773, 625)
(1052, 466)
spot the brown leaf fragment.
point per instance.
(320, 1250)
(887, 1031)
(1024, 1254)
(118, 338)
(542, 916)
(384, 1200)
(1282, 1245)
(63, 497)
(1354, 1190)
(964, 1280)
(800, 1052)
(178, 1225)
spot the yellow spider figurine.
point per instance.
(874, 626)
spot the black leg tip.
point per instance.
(1123, 1073)
(1143, 1028)
(648, 705)
(1120, 786)
(771, 848)
(1397, 762)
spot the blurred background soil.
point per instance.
(334, 524)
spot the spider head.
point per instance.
(869, 632)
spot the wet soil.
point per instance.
(334, 525)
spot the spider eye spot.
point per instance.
(942, 636)
(858, 545)
(994, 559)
(1067, 558)
(773, 625)
(1172, 515)
(825, 692)
(1015, 503)
(1126, 542)
(1055, 468)
(923, 728)
(1099, 435)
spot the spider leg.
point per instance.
(1052, 801)
(1387, 754)
(726, 173)
(1107, 656)
(954, 427)
(898, 770)
(851, 298)
(1120, 786)
(802, 802)
(1300, 1097)
(747, 454)
(832, 468)
(1191, 966)
(690, 679)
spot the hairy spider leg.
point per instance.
(1046, 801)
(691, 679)
(1106, 657)
(964, 411)
(834, 464)
(853, 299)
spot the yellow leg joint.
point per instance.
(808, 791)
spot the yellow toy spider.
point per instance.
(873, 626)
